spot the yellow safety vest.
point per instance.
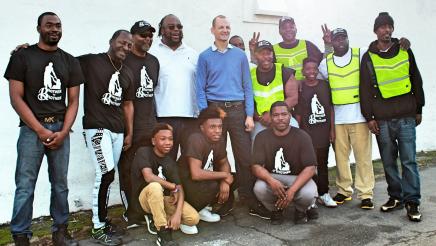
(292, 58)
(393, 77)
(344, 81)
(265, 96)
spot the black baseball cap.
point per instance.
(263, 44)
(339, 32)
(285, 19)
(141, 26)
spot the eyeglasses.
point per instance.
(172, 27)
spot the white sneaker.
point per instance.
(190, 230)
(327, 201)
(208, 216)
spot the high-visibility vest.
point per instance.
(265, 96)
(344, 81)
(393, 77)
(292, 58)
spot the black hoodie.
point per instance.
(373, 105)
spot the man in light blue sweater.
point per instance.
(223, 80)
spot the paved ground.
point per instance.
(345, 225)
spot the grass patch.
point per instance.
(80, 223)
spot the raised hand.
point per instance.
(327, 34)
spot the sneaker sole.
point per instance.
(103, 243)
(385, 210)
(367, 207)
(148, 226)
(320, 201)
(209, 220)
(260, 216)
(415, 218)
(342, 202)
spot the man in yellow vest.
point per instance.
(292, 51)
(341, 69)
(392, 98)
(271, 82)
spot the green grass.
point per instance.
(80, 222)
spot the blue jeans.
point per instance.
(30, 154)
(399, 136)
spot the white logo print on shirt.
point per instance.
(318, 113)
(281, 166)
(146, 88)
(113, 97)
(52, 85)
(160, 175)
(209, 162)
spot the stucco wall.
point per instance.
(88, 25)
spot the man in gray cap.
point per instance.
(145, 68)
(392, 98)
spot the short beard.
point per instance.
(46, 39)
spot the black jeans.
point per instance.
(322, 177)
(234, 124)
(182, 128)
(200, 194)
(132, 206)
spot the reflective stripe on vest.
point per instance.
(344, 81)
(392, 74)
(265, 96)
(292, 58)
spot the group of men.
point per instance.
(143, 101)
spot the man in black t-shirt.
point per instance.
(205, 170)
(156, 187)
(107, 122)
(315, 115)
(284, 162)
(145, 69)
(39, 78)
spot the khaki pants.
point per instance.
(358, 137)
(153, 201)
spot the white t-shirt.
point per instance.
(175, 92)
(348, 113)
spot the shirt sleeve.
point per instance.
(171, 170)
(365, 87)
(142, 159)
(416, 80)
(76, 74)
(248, 87)
(16, 68)
(200, 83)
(323, 73)
(194, 147)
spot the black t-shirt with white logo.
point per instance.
(145, 76)
(198, 147)
(164, 167)
(46, 75)
(105, 90)
(314, 106)
(287, 155)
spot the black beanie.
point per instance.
(382, 19)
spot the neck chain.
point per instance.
(110, 59)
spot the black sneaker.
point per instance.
(150, 224)
(312, 213)
(260, 211)
(165, 237)
(61, 237)
(115, 230)
(391, 204)
(103, 236)
(413, 211)
(134, 222)
(21, 240)
(300, 217)
(340, 199)
(277, 217)
(367, 204)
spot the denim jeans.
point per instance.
(399, 136)
(29, 158)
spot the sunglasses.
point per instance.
(172, 27)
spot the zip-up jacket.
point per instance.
(373, 105)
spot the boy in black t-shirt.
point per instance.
(39, 78)
(107, 122)
(156, 186)
(283, 163)
(205, 170)
(315, 115)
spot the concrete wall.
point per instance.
(88, 25)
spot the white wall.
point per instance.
(88, 25)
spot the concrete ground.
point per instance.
(345, 225)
